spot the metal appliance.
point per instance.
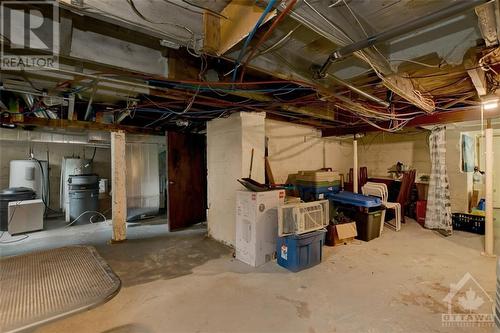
(71, 166)
(33, 174)
(83, 197)
(25, 216)
(16, 195)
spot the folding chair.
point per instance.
(380, 190)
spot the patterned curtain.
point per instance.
(438, 214)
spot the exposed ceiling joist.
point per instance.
(466, 114)
(476, 74)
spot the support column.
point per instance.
(229, 153)
(119, 196)
(488, 235)
(355, 168)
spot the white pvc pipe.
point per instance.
(355, 168)
(488, 235)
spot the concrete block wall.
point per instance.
(296, 147)
(229, 145)
(379, 151)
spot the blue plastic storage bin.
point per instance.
(298, 252)
(312, 193)
(355, 199)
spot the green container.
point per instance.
(317, 184)
(368, 225)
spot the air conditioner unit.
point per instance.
(299, 218)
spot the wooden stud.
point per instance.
(269, 171)
(118, 177)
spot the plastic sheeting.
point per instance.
(143, 180)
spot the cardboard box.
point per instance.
(344, 233)
(292, 200)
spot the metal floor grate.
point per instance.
(38, 287)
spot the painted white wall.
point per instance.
(460, 182)
(229, 145)
(379, 151)
(292, 148)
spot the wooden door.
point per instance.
(187, 179)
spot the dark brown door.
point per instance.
(187, 179)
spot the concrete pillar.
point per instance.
(488, 235)
(118, 186)
(229, 148)
(355, 168)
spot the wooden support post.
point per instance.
(489, 232)
(355, 169)
(119, 196)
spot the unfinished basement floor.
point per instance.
(186, 282)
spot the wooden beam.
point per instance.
(479, 80)
(77, 125)
(469, 114)
(477, 75)
(242, 15)
(181, 69)
(119, 196)
(212, 27)
(458, 100)
(306, 111)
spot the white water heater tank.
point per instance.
(30, 174)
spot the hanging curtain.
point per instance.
(143, 180)
(438, 215)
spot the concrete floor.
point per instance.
(186, 282)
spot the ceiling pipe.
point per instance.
(357, 90)
(399, 30)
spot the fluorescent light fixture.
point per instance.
(490, 105)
